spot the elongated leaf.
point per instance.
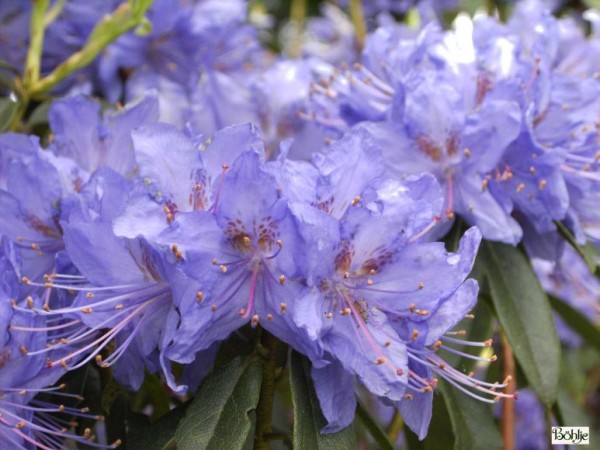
(159, 435)
(472, 421)
(577, 322)
(218, 416)
(373, 427)
(585, 255)
(308, 419)
(8, 109)
(569, 413)
(524, 312)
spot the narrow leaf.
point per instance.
(524, 312)
(8, 109)
(577, 322)
(373, 427)
(308, 419)
(159, 435)
(218, 417)
(587, 257)
(472, 421)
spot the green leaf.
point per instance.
(218, 417)
(586, 255)
(308, 418)
(159, 435)
(8, 109)
(569, 413)
(524, 312)
(577, 321)
(373, 427)
(472, 421)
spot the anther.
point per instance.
(215, 261)
(421, 285)
(213, 307)
(329, 315)
(23, 349)
(408, 396)
(346, 274)
(423, 312)
(199, 296)
(414, 335)
(507, 379)
(176, 252)
(89, 295)
(532, 170)
(34, 246)
(387, 343)
(283, 307)
(86, 433)
(345, 311)
(255, 320)
(356, 200)
(469, 316)
(279, 243)
(487, 343)
(98, 359)
(25, 280)
(520, 187)
(30, 302)
(225, 166)
(119, 307)
(269, 317)
(281, 279)
(242, 312)
(116, 443)
(427, 389)
(461, 333)
(86, 310)
(370, 282)
(467, 153)
(437, 345)
(399, 372)
(542, 184)
(223, 268)
(20, 424)
(412, 307)
(493, 358)
(380, 360)
(484, 184)
(63, 364)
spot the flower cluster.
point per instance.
(235, 189)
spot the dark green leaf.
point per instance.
(308, 419)
(577, 322)
(39, 116)
(8, 109)
(439, 435)
(569, 413)
(373, 427)
(524, 312)
(159, 435)
(472, 421)
(218, 417)
(585, 255)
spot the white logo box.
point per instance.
(571, 435)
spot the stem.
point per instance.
(264, 410)
(508, 407)
(358, 19)
(297, 16)
(395, 427)
(37, 27)
(110, 28)
(54, 12)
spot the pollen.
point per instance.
(345, 311)
(89, 295)
(283, 307)
(421, 285)
(542, 184)
(437, 344)
(176, 252)
(223, 268)
(520, 187)
(23, 349)
(281, 279)
(380, 360)
(356, 200)
(414, 335)
(86, 310)
(199, 296)
(412, 307)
